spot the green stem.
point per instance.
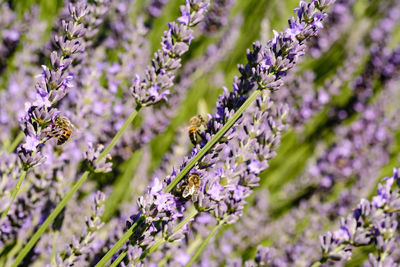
(49, 220)
(120, 242)
(151, 249)
(213, 141)
(10, 255)
(114, 141)
(119, 259)
(189, 166)
(163, 240)
(35, 238)
(15, 192)
(185, 221)
(16, 141)
(53, 250)
(316, 264)
(204, 244)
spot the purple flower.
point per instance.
(175, 42)
(369, 224)
(341, 235)
(239, 192)
(184, 19)
(155, 7)
(32, 142)
(217, 17)
(53, 82)
(154, 93)
(215, 191)
(255, 166)
(383, 193)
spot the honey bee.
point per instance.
(61, 129)
(196, 123)
(193, 185)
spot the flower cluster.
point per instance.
(10, 32)
(159, 117)
(80, 247)
(372, 222)
(231, 172)
(19, 82)
(52, 87)
(92, 154)
(267, 65)
(194, 173)
(159, 76)
(217, 17)
(264, 70)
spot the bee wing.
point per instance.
(189, 190)
(74, 127)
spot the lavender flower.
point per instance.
(10, 32)
(51, 88)
(339, 20)
(365, 226)
(307, 103)
(360, 148)
(80, 248)
(158, 117)
(372, 222)
(92, 155)
(312, 207)
(379, 152)
(231, 172)
(159, 77)
(266, 67)
(17, 92)
(382, 59)
(217, 17)
(45, 183)
(340, 101)
(155, 7)
(237, 188)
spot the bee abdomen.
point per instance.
(193, 135)
(63, 138)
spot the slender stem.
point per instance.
(185, 221)
(317, 264)
(120, 258)
(213, 141)
(163, 240)
(53, 250)
(151, 249)
(204, 244)
(194, 244)
(15, 191)
(10, 255)
(16, 142)
(120, 242)
(35, 238)
(114, 141)
(189, 166)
